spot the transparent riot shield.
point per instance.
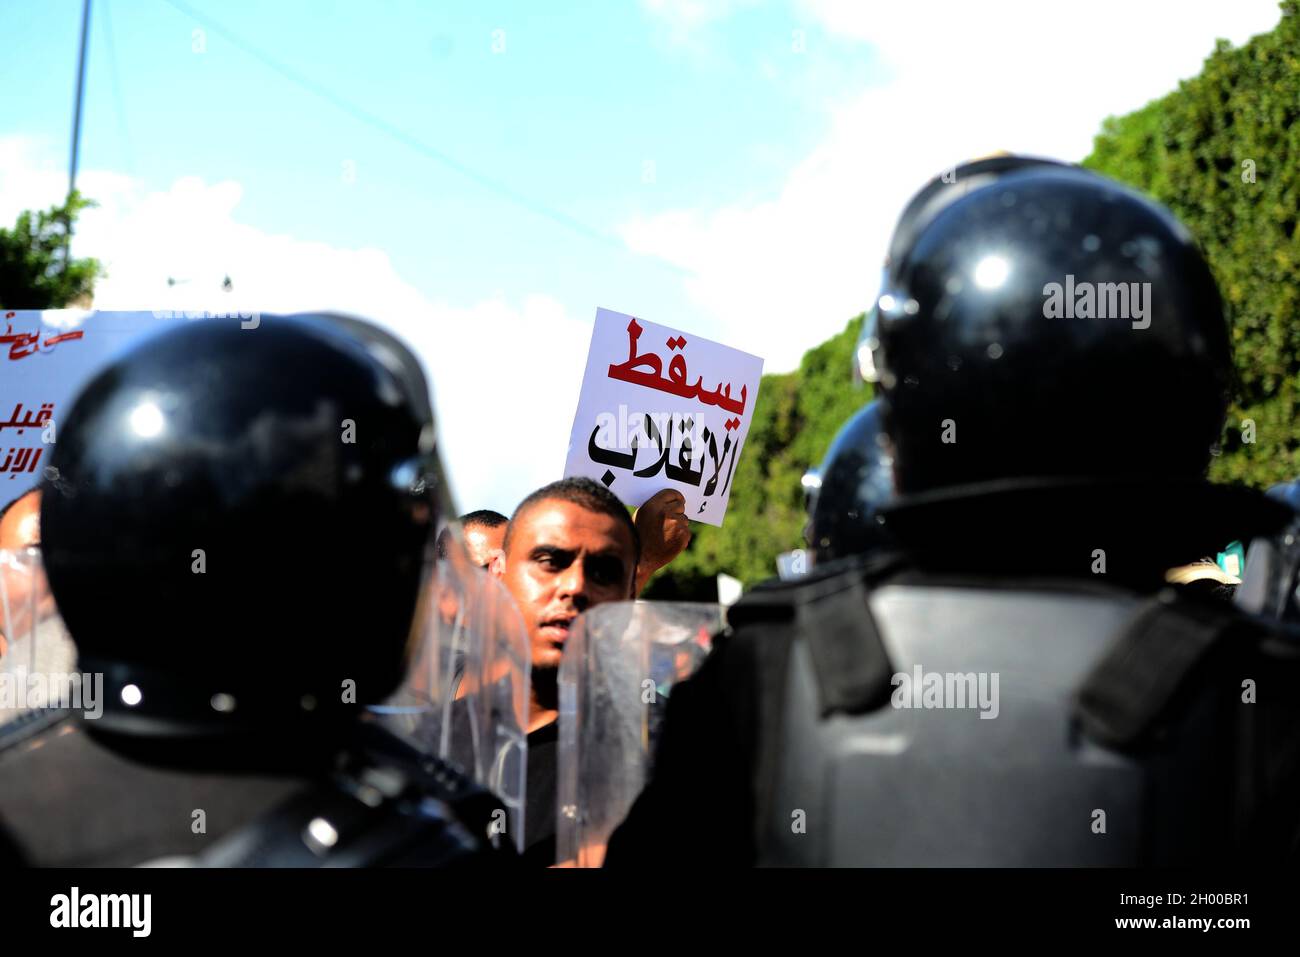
(619, 667)
(37, 657)
(465, 698)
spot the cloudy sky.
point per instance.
(482, 176)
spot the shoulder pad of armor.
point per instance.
(777, 600)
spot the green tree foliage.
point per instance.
(795, 418)
(33, 274)
(1223, 152)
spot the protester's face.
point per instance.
(563, 559)
(21, 526)
(19, 529)
(481, 542)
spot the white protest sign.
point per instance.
(46, 357)
(643, 425)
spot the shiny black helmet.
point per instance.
(936, 195)
(1051, 324)
(948, 187)
(854, 481)
(236, 525)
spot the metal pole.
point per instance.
(76, 126)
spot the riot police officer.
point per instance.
(237, 527)
(855, 480)
(1011, 684)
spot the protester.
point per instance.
(570, 546)
(485, 533)
(33, 641)
(20, 522)
(20, 528)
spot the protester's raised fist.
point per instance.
(665, 532)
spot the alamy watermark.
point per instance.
(21, 689)
(1098, 300)
(128, 911)
(956, 690)
(663, 430)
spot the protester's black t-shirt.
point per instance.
(539, 809)
(539, 812)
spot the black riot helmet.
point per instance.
(855, 480)
(236, 523)
(948, 187)
(936, 195)
(1052, 324)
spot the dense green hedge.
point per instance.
(1195, 150)
(1190, 150)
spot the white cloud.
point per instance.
(684, 18)
(502, 370)
(966, 80)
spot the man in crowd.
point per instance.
(485, 533)
(20, 522)
(20, 528)
(569, 546)
(32, 638)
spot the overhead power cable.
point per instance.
(370, 119)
